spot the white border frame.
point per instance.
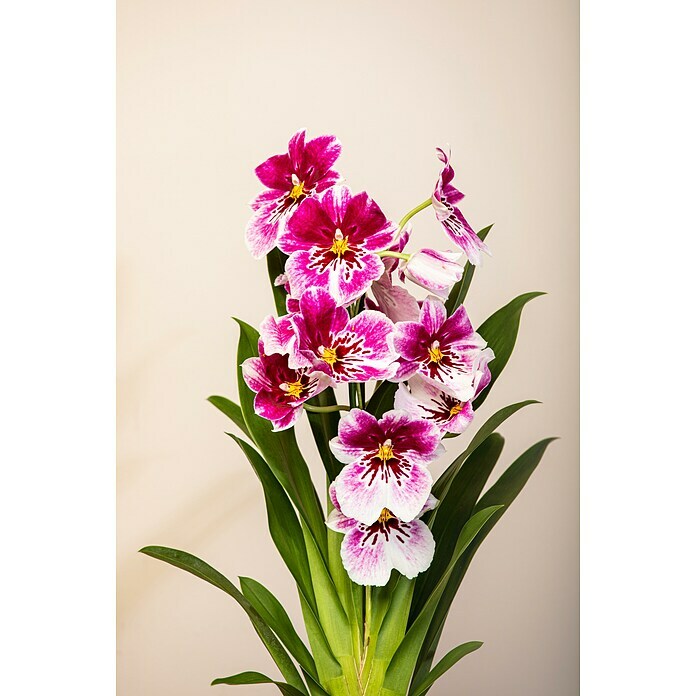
(57, 288)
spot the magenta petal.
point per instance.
(421, 399)
(296, 148)
(355, 429)
(410, 340)
(254, 374)
(396, 302)
(282, 415)
(262, 231)
(365, 488)
(433, 270)
(278, 335)
(370, 552)
(366, 561)
(323, 152)
(275, 172)
(433, 314)
(338, 522)
(417, 440)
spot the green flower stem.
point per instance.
(395, 255)
(368, 614)
(326, 409)
(356, 396)
(411, 213)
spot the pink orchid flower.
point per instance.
(423, 399)
(332, 241)
(291, 179)
(445, 351)
(433, 270)
(280, 390)
(347, 350)
(371, 551)
(445, 197)
(386, 464)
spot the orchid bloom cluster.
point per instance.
(385, 373)
(349, 322)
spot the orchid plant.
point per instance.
(378, 566)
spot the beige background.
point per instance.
(206, 90)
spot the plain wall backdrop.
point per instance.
(207, 89)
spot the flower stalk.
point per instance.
(326, 409)
(411, 213)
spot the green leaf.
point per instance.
(459, 290)
(453, 512)
(275, 262)
(500, 332)
(232, 410)
(330, 611)
(403, 663)
(324, 427)
(245, 678)
(273, 613)
(493, 423)
(199, 568)
(283, 525)
(328, 667)
(382, 400)
(503, 492)
(448, 661)
(280, 449)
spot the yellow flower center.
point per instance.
(386, 451)
(385, 515)
(297, 188)
(293, 389)
(434, 352)
(328, 355)
(455, 409)
(340, 244)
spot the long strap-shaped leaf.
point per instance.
(201, 569)
(300, 553)
(275, 262)
(283, 525)
(403, 663)
(273, 613)
(493, 423)
(448, 661)
(245, 678)
(453, 512)
(503, 492)
(232, 410)
(280, 449)
(500, 332)
(460, 288)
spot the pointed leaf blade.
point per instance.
(273, 613)
(283, 525)
(493, 423)
(500, 332)
(503, 492)
(448, 661)
(232, 410)
(199, 568)
(454, 510)
(404, 661)
(246, 678)
(279, 449)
